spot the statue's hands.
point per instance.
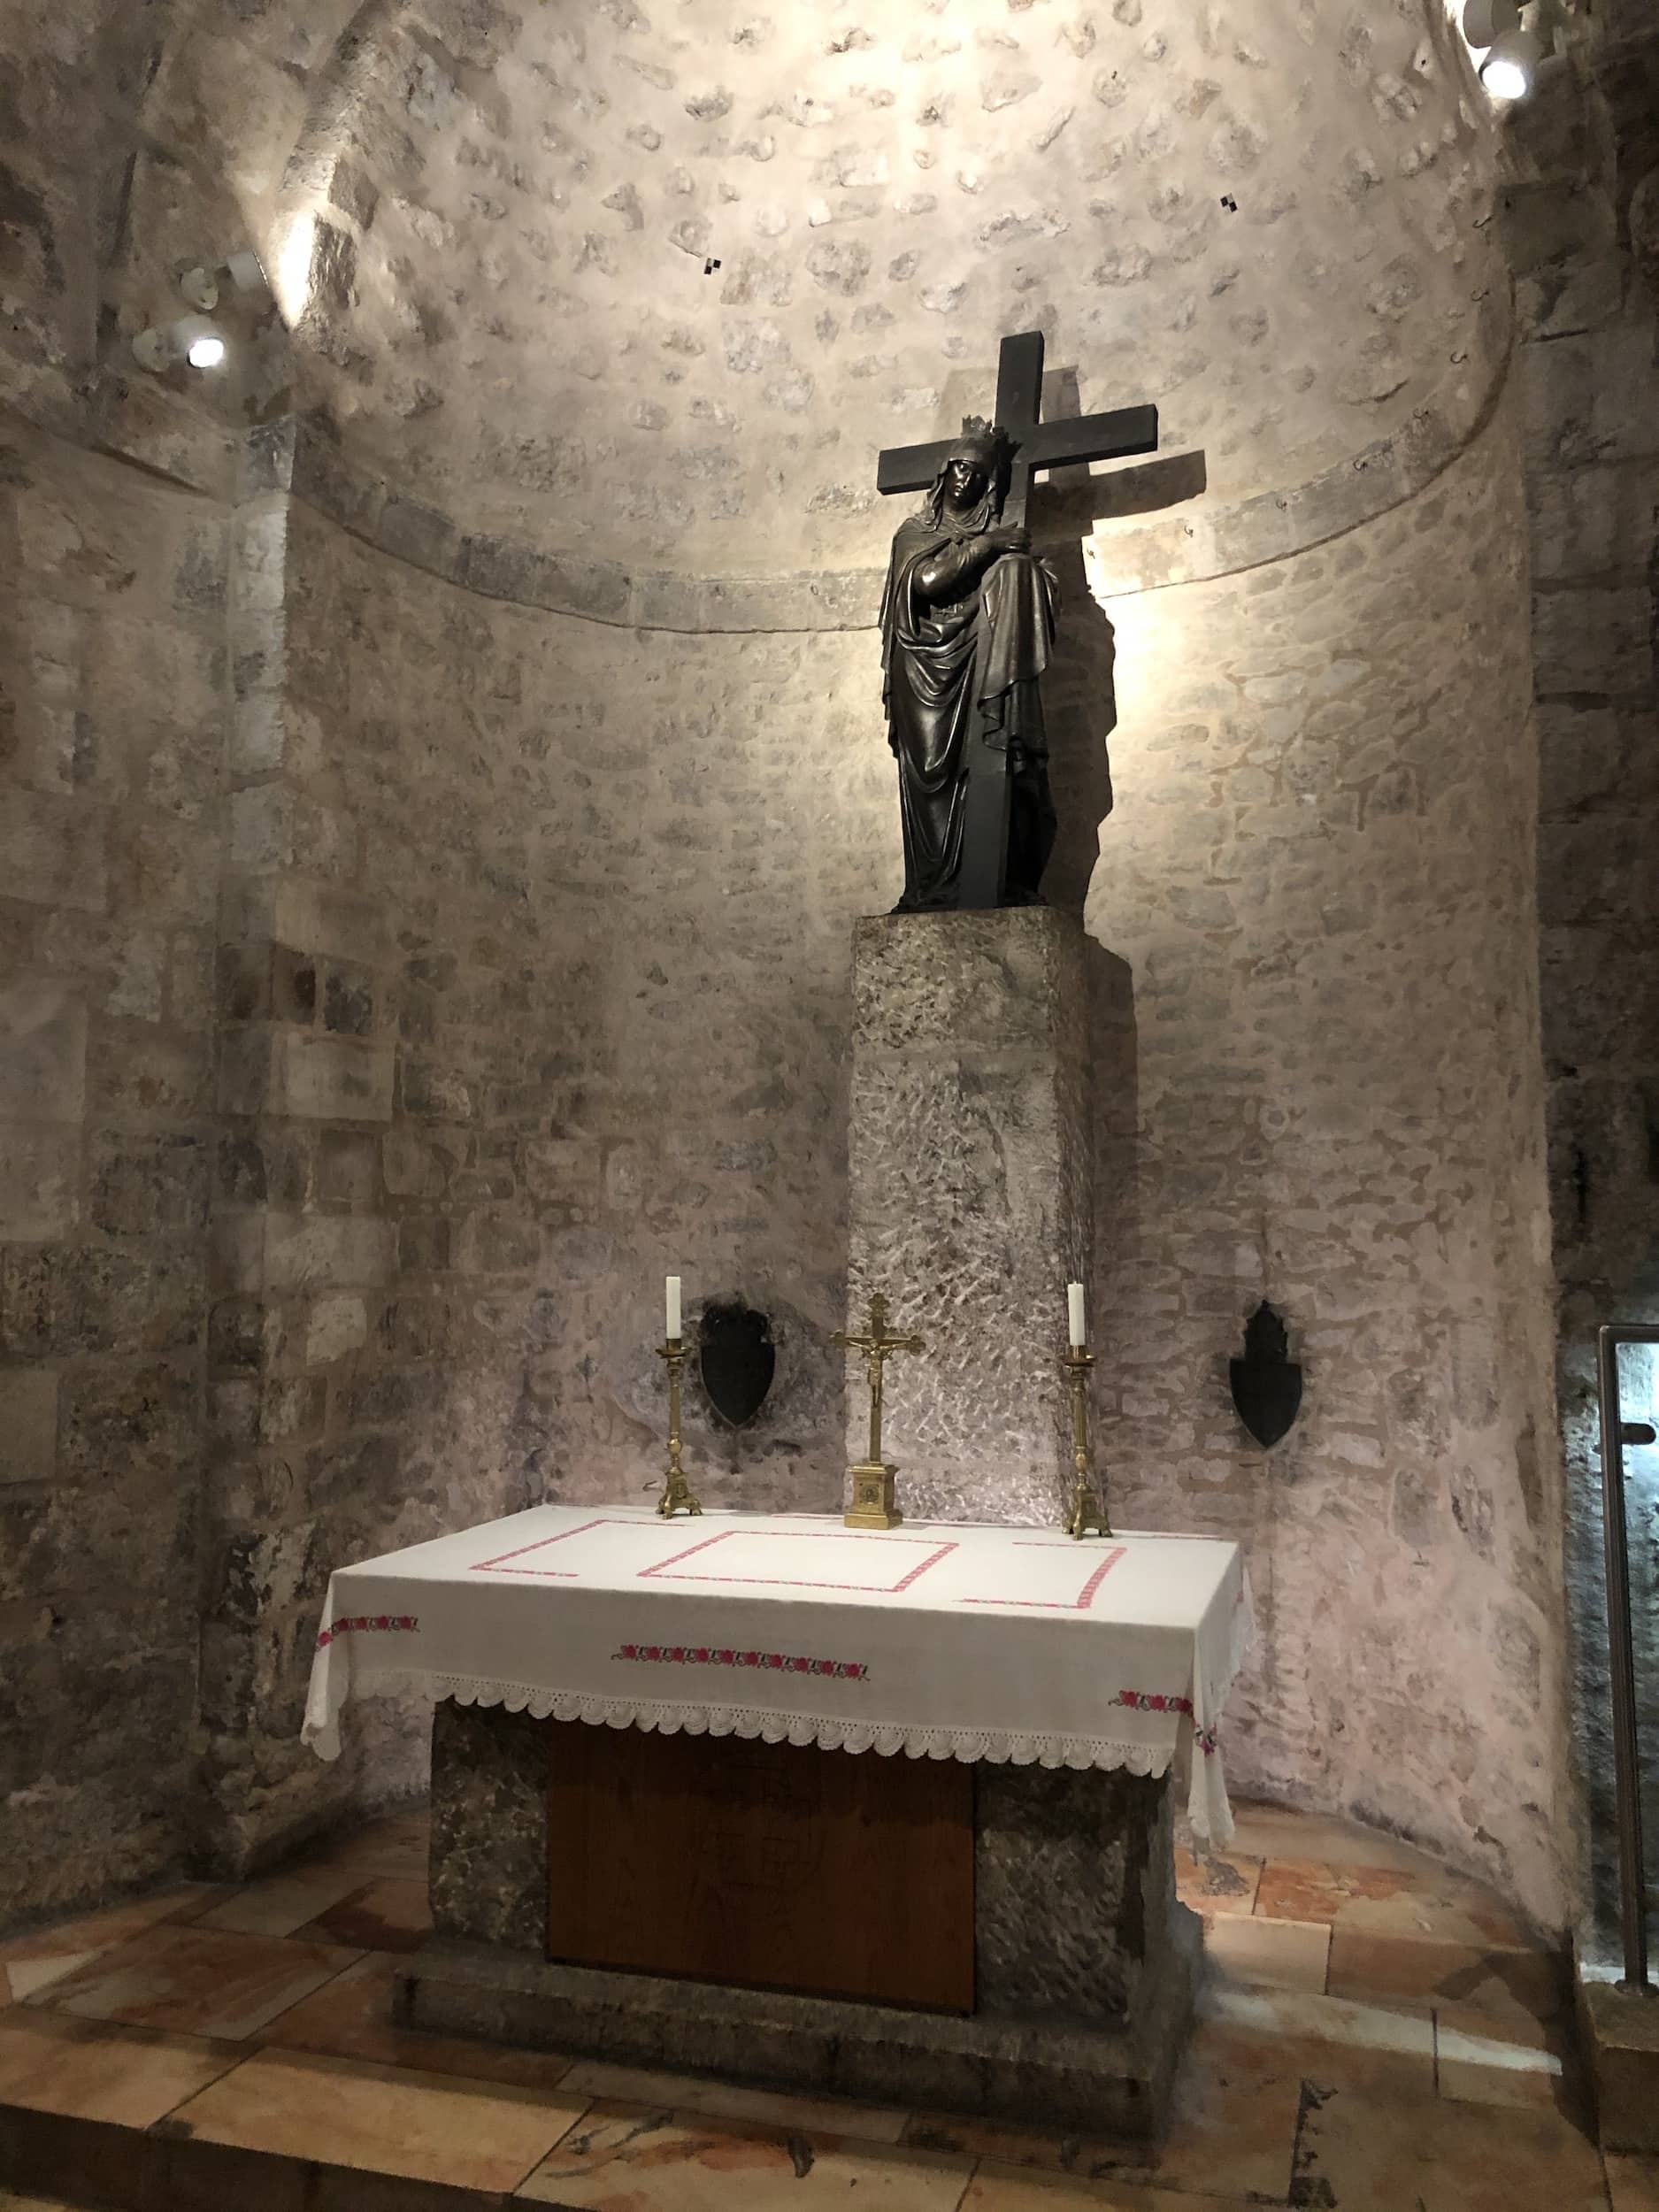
(1012, 537)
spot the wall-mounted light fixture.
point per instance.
(1510, 66)
(241, 273)
(193, 337)
(1510, 54)
(1485, 21)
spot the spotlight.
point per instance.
(1509, 69)
(202, 286)
(192, 339)
(1485, 20)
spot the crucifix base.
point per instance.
(872, 1505)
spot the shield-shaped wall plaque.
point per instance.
(1266, 1382)
(737, 1360)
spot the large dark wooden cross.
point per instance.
(1037, 445)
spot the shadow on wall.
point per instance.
(1081, 699)
(1115, 1074)
(1080, 709)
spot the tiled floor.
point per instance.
(1375, 2035)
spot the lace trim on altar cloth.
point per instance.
(1000, 1747)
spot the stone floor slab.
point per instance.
(1012, 2189)
(1268, 1954)
(90, 2071)
(1513, 1983)
(198, 1981)
(1219, 1882)
(281, 1904)
(1632, 2183)
(1366, 2155)
(385, 1915)
(627, 2158)
(386, 2120)
(351, 2017)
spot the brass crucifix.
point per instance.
(872, 1505)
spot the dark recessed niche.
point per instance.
(736, 1359)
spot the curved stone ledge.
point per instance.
(1197, 546)
(1188, 545)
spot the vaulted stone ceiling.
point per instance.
(493, 228)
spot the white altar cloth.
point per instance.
(933, 1638)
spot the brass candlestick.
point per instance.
(1086, 1511)
(872, 1505)
(677, 1493)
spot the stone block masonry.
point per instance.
(401, 858)
(1328, 1092)
(474, 1109)
(427, 1290)
(113, 684)
(1583, 232)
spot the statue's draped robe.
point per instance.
(952, 667)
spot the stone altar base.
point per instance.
(969, 1158)
(1085, 1962)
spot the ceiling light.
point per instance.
(207, 352)
(1509, 67)
(1485, 21)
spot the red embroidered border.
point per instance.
(710, 1656)
(564, 1574)
(1156, 1701)
(797, 1582)
(1085, 1597)
(354, 1623)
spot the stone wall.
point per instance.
(533, 965)
(773, 245)
(532, 992)
(1582, 224)
(112, 688)
(1321, 1081)
(1319, 876)
(526, 864)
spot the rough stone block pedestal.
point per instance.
(971, 1200)
(1085, 1963)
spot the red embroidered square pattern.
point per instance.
(498, 1565)
(1104, 1563)
(663, 1568)
(504, 1562)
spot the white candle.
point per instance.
(1074, 1315)
(673, 1309)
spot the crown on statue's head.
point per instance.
(985, 444)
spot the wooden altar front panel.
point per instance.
(779, 1865)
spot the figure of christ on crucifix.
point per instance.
(967, 621)
(872, 1502)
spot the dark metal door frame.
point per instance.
(1615, 1433)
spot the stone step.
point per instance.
(104, 2167)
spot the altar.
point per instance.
(882, 1813)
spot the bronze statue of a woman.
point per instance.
(967, 621)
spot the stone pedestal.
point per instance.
(971, 1202)
(1085, 1963)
